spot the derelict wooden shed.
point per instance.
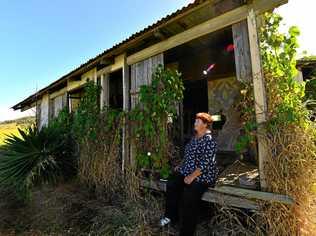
(188, 40)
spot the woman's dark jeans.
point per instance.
(183, 203)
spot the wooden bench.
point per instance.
(230, 196)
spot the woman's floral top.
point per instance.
(200, 153)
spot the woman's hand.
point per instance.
(189, 179)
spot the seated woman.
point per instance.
(197, 172)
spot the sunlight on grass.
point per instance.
(6, 129)
(11, 127)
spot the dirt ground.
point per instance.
(70, 209)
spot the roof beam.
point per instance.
(212, 25)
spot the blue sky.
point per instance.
(42, 40)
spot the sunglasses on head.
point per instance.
(198, 121)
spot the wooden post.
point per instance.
(259, 93)
(126, 107)
(299, 76)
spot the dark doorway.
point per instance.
(195, 100)
(200, 61)
(116, 89)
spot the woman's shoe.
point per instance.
(164, 221)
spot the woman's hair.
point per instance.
(205, 117)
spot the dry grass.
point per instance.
(99, 165)
(291, 170)
(71, 209)
(233, 221)
(130, 212)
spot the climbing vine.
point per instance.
(86, 115)
(289, 134)
(157, 106)
(279, 64)
(149, 122)
(245, 104)
(284, 93)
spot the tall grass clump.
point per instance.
(98, 133)
(290, 135)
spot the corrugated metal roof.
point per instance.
(308, 61)
(134, 36)
(141, 32)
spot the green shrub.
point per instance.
(37, 157)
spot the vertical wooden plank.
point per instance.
(44, 119)
(133, 70)
(67, 101)
(70, 108)
(137, 75)
(104, 98)
(95, 77)
(160, 56)
(132, 84)
(145, 72)
(57, 104)
(102, 95)
(64, 100)
(51, 109)
(107, 89)
(142, 73)
(259, 93)
(126, 101)
(132, 95)
(242, 51)
(38, 113)
(150, 71)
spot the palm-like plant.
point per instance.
(36, 157)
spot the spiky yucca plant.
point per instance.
(36, 157)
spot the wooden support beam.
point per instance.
(212, 25)
(259, 94)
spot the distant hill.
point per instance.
(23, 121)
(11, 126)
